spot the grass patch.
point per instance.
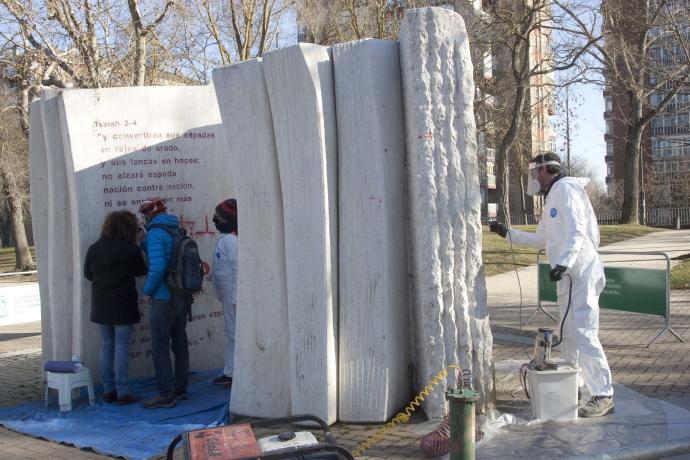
(498, 258)
(7, 263)
(9, 250)
(496, 252)
(680, 275)
(613, 233)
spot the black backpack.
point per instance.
(184, 275)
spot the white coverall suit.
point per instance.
(569, 233)
(224, 276)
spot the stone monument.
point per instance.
(109, 149)
(299, 80)
(373, 295)
(449, 307)
(355, 169)
(261, 384)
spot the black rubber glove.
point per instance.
(557, 272)
(498, 228)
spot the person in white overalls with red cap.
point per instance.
(224, 277)
(569, 233)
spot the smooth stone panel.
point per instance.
(374, 323)
(40, 202)
(56, 320)
(261, 385)
(451, 327)
(300, 90)
(123, 145)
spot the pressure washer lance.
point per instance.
(543, 343)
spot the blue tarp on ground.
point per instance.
(128, 431)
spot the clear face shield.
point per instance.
(533, 185)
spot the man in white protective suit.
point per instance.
(569, 233)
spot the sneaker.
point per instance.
(180, 394)
(128, 399)
(598, 406)
(160, 402)
(223, 380)
(110, 397)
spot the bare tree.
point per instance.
(567, 102)
(63, 43)
(238, 29)
(14, 176)
(327, 22)
(528, 54)
(644, 51)
(86, 44)
(141, 36)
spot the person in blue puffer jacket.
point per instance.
(168, 312)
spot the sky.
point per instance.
(587, 139)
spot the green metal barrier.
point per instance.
(637, 290)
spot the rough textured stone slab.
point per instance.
(300, 89)
(121, 146)
(450, 315)
(261, 384)
(374, 340)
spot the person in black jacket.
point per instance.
(111, 265)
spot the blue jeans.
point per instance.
(115, 350)
(167, 322)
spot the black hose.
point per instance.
(171, 447)
(565, 315)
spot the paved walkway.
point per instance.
(660, 371)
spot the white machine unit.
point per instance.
(554, 393)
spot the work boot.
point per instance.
(160, 402)
(180, 394)
(110, 397)
(598, 406)
(223, 380)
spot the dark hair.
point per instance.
(548, 156)
(120, 225)
(232, 223)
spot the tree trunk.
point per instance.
(502, 188)
(140, 61)
(631, 183)
(522, 201)
(503, 176)
(23, 259)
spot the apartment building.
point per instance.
(665, 144)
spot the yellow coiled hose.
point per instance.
(405, 414)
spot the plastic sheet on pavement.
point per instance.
(129, 431)
(638, 421)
